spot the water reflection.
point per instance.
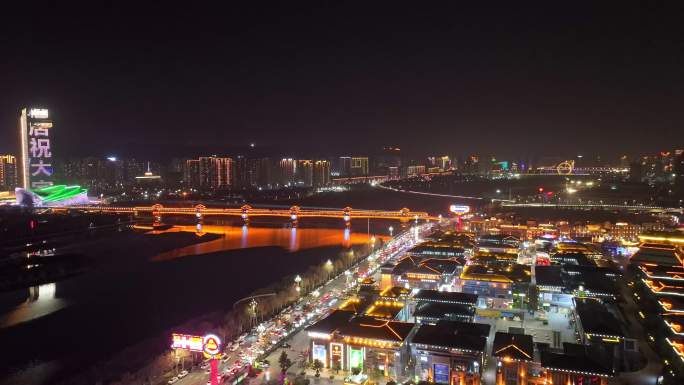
(237, 237)
(40, 301)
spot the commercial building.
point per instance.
(35, 131)
(514, 354)
(495, 285)
(450, 352)
(577, 364)
(422, 273)
(432, 306)
(660, 248)
(344, 341)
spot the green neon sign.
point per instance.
(356, 358)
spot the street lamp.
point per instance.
(298, 280)
(329, 267)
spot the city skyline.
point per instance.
(428, 80)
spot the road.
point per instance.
(255, 345)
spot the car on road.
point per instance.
(182, 374)
(173, 380)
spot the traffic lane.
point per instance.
(299, 338)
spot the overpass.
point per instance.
(245, 212)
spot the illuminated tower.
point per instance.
(8, 172)
(35, 131)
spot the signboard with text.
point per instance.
(36, 140)
(187, 342)
(209, 345)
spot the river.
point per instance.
(143, 284)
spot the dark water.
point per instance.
(142, 285)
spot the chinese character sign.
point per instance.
(39, 172)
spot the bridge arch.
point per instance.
(200, 207)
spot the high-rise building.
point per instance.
(636, 172)
(191, 173)
(359, 166)
(241, 174)
(35, 129)
(321, 173)
(343, 166)
(304, 173)
(678, 169)
(215, 172)
(8, 172)
(264, 173)
(288, 169)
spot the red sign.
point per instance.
(212, 345)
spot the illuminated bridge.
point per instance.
(246, 212)
(594, 206)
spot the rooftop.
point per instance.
(673, 273)
(355, 305)
(446, 297)
(331, 323)
(664, 287)
(373, 328)
(384, 309)
(508, 274)
(513, 346)
(572, 259)
(449, 337)
(596, 319)
(659, 254)
(549, 276)
(395, 292)
(442, 311)
(578, 359)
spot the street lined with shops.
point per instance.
(266, 341)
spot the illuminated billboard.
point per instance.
(318, 353)
(209, 345)
(355, 357)
(36, 148)
(187, 342)
(459, 209)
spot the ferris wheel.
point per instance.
(565, 167)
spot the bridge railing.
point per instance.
(252, 212)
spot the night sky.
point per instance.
(508, 80)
